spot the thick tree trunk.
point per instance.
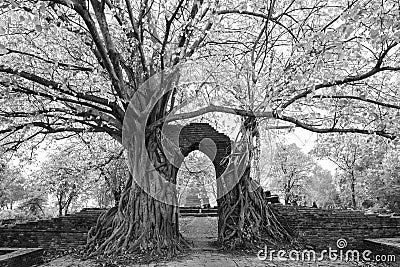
(245, 216)
(146, 218)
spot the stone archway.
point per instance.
(216, 146)
(203, 137)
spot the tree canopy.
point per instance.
(72, 66)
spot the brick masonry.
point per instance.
(190, 137)
(21, 257)
(321, 228)
(55, 234)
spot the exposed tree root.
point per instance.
(244, 215)
(142, 223)
(246, 218)
(131, 228)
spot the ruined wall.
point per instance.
(321, 228)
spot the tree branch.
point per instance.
(377, 68)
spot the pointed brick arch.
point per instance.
(194, 134)
(202, 137)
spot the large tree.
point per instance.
(69, 67)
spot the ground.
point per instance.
(201, 232)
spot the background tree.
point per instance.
(66, 175)
(107, 158)
(322, 189)
(388, 194)
(12, 185)
(360, 164)
(196, 169)
(291, 173)
(34, 206)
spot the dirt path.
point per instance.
(201, 232)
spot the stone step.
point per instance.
(199, 215)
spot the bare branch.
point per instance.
(377, 68)
(363, 99)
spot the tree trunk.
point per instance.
(353, 191)
(117, 195)
(287, 194)
(245, 216)
(146, 218)
(287, 200)
(68, 203)
(60, 205)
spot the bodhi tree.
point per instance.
(70, 67)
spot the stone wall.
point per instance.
(20, 257)
(55, 234)
(320, 228)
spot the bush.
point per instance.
(16, 214)
(33, 206)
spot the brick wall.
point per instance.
(58, 233)
(320, 228)
(21, 257)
